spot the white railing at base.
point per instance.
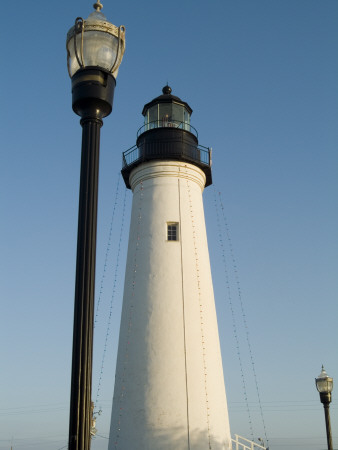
(240, 443)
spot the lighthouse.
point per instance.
(169, 387)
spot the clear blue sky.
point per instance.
(262, 79)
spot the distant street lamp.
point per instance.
(95, 49)
(324, 385)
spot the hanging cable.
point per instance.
(107, 250)
(112, 296)
(239, 293)
(234, 324)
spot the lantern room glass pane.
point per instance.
(165, 114)
(178, 114)
(186, 119)
(151, 118)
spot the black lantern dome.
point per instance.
(167, 135)
(167, 109)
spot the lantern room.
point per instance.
(167, 111)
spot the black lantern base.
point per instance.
(325, 397)
(93, 92)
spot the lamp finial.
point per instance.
(98, 5)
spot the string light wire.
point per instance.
(233, 316)
(113, 294)
(239, 293)
(107, 250)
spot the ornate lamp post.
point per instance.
(95, 49)
(324, 385)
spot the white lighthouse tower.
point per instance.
(169, 388)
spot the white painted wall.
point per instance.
(169, 388)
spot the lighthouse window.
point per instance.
(172, 231)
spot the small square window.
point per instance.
(172, 231)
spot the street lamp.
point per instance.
(95, 49)
(324, 385)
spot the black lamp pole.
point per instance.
(92, 100)
(324, 385)
(325, 398)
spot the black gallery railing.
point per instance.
(166, 150)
